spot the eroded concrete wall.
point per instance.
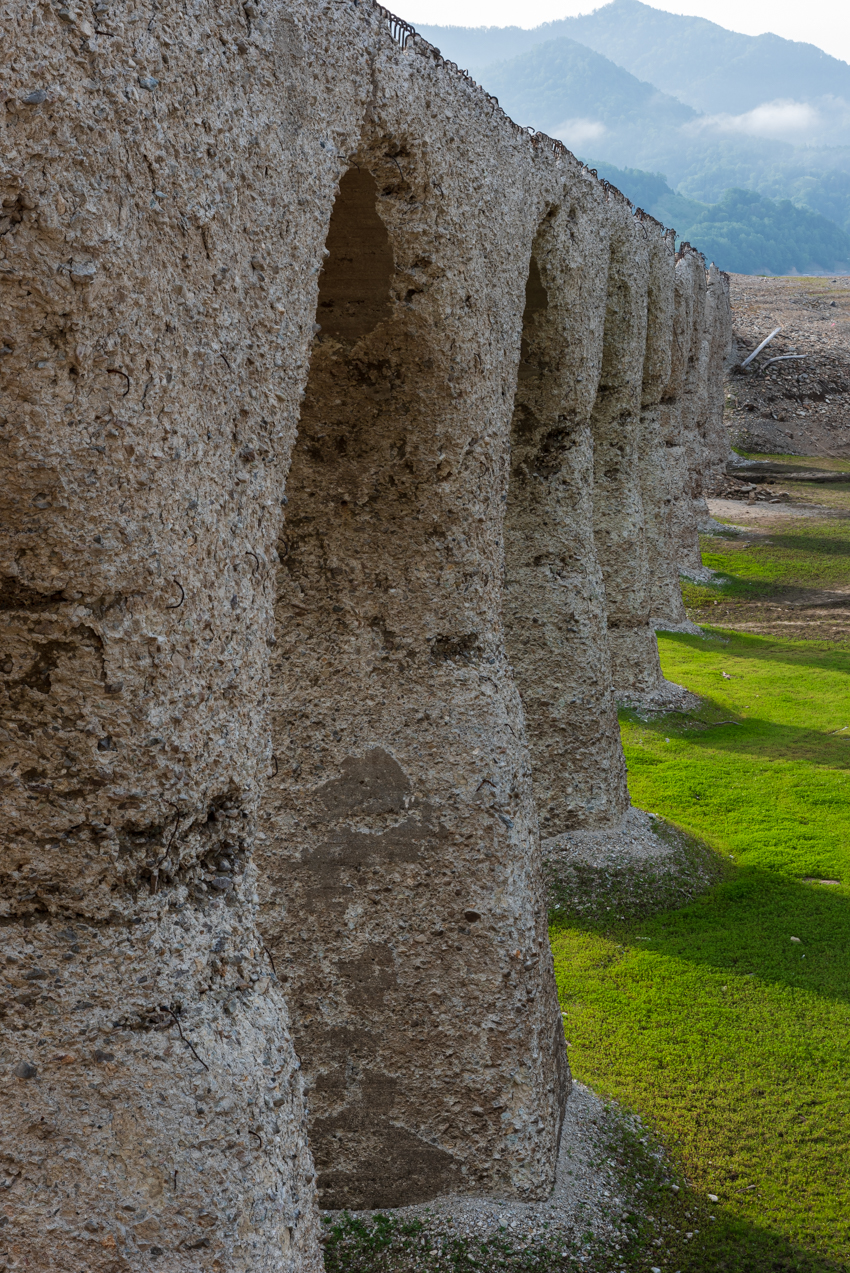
(402, 898)
(168, 191)
(618, 513)
(691, 420)
(659, 472)
(555, 606)
(718, 356)
(684, 402)
(160, 227)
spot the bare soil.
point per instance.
(798, 406)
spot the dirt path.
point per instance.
(799, 406)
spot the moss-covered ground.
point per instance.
(725, 1023)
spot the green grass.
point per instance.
(774, 788)
(807, 555)
(732, 1040)
(386, 1242)
(797, 462)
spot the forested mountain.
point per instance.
(718, 113)
(561, 82)
(743, 232)
(597, 107)
(704, 65)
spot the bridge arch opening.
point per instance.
(555, 614)
(397, 871)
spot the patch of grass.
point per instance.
(810, 554)
(773, 788)
(729, 1038)
(732, 1041)
(388, 1244)
(795, 463)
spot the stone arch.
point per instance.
(660, 450)
(618, 514)
(401, 896)
(354, 285)
(554, 596)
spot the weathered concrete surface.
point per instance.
(683, 406)
(660, 472)
(152, 262)
(718, 359)
(168, 182)
(555, 608)
(127, 1137)
(692, 411)
(402, 898)
(618, 512)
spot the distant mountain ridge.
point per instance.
(752, 133)
(703, 64)
(562, 83)
(744, 232)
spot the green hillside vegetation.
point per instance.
(817, 179)
(744, 232)
(636, 75)
(650, 191)
(748, 234)
(826, 192)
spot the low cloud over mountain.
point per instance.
(713, 110)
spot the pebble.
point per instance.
(25, 1070)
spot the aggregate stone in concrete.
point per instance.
(618, 515)
(181, 646)
(555, 603)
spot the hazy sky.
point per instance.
(822, 22)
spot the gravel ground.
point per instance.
(670, 697)
(752, 514)
(800, 406)
(643, 867)
(636, 841)
(587, 1197)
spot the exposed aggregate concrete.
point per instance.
(588, 1206)
(268, 289)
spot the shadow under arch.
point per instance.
(400, 884)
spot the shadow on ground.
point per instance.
(763, 738)
(737, 645)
